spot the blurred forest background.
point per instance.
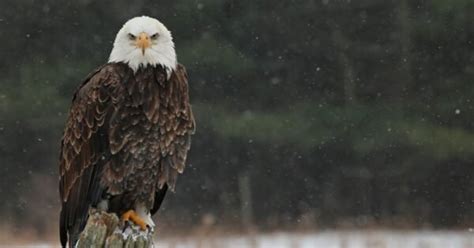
(310, 114)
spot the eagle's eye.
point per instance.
(155, 36)
(131, 36)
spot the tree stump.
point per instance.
(105, 230)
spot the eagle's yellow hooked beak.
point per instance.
(143, 42)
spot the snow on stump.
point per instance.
(105, 230)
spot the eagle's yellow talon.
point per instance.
(130, 215)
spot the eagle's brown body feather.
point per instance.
(126, 139)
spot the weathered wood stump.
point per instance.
(105, 230)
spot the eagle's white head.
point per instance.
(144, 41)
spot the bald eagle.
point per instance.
(128, 131)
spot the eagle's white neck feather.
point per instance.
(161, 51)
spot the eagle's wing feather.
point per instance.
(175, 140)
(85, 149)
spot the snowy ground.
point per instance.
(378, 239)
(326, 239)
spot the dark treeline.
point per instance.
(310, 113)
